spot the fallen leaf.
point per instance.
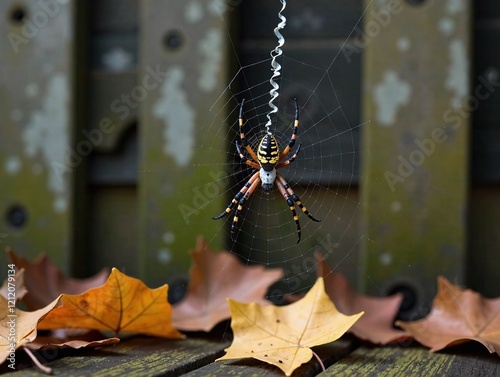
(13, 286)
(283, 335)
(44, 281)
(215, 277)
(18, 327)
(376, 325)
(122, 304)
(46, 343)
(457, 316)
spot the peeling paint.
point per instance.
(455, 6)
(403, 44)
(389, 95)
(446, 26)
(46, 134)
(12, 165)
(178, 118)
(117, 59)
(164, 256)
(457, 79)
(168, 237)
(210, 47)
(385, 259)
(194, 12)
(396, 206)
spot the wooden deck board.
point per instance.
(139, 356)
(329, 354)
(467, 360)
(195, 356)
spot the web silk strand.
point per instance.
(275, 66)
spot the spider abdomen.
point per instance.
(268, 152)
(267, 178)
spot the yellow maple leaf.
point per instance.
(283, 335)
(123, 304)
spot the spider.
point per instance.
(267, 159)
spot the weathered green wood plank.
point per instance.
(416, 73)
(133, 357)
(328, 353)
(466, 360)
(184, 52)
(38, 157)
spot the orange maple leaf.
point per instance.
(457, 316)
(45, 281)
(283, 335)
(123, 304)
(18, 328)
(215, 277)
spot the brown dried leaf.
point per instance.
(376, 325)
(91, 339)
(214, 278)
(44, 281)
(458, 315)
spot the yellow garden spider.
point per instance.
(266, 161)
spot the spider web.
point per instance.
(324, 175)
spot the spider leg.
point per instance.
(291, 143)
(237, 197)
(245, 159)
(244, 140)
(291, 205)
(290, 160)
(295, 197)
(241, 203)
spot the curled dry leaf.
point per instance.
(376, 325)
(89, 340)
(15, 286)
(122, 304)
(215, 277)
(18, 327)
(44, 281)
(456, 316)
(283, 335)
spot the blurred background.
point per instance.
(110, 112)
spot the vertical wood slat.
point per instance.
(183, 48)
(37, 99)
(415, 175)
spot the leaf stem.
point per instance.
(319, 360)
(38, 364)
